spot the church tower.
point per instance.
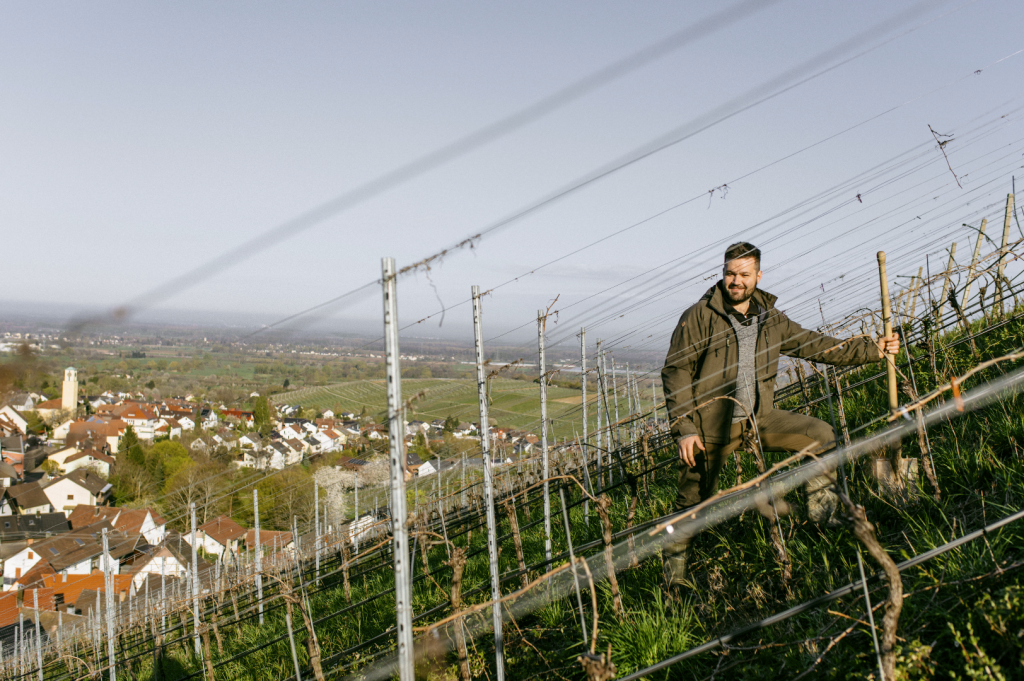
(69, 399)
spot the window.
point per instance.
(71, 497)
(30, 556)
(7, 524)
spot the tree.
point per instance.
(132, 448)
(261, 415)
(164, 456)
(451, 424)
(131, 481)
(50, 467)
(194, 485)
(151, 384)
(286, 383)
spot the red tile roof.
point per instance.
(223, 529)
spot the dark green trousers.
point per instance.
(779, 431)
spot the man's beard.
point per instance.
(744, 294)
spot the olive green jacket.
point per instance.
(702, 362)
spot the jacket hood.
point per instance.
(716, 299)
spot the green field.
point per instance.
(514, 404)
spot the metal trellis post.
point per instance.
(108, 583)
(195, 579)
(396, 428)
(485, 447)
(541, 323)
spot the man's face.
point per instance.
(740, 277)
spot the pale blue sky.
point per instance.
(141, 139)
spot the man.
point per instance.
(721, 369)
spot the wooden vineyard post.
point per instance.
(1003, 248)
(396, 431)
(915, 290)
(973, 267)
(894, 473)
(492, 531)
(945, 287)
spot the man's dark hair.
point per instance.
(743, 250)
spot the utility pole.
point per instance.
(396, 435)
(485, 447)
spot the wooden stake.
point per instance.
(914, 292)
(890, 363)
(1003, 248)
(945, 287)
(603, 504)
(895, 481)
(973, 267)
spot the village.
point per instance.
(61, 458)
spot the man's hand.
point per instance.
(888, 345)
(687, 447)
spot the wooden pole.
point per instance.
(1003, 248)
(974, 265)
(945, 286)
(890, 363)
(914, 292)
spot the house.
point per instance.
(20, 402)
(49, 408)
(242, 415)
(91, 459)
(416, 427)
(26, 498)
(328, 414)
(68, 589)
(270, 541)
(426, 468)
(168, 427)
(110, 431)
(208, 418)
(8, 476)
(250, 441)
(187, 423)
(171, 558)
(77, 552)
(296, 448)
(78, 487)
(35, 526)
(128, 521)
(220, 535)
(204, 443)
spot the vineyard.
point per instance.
(577, 551)
(513, 404)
